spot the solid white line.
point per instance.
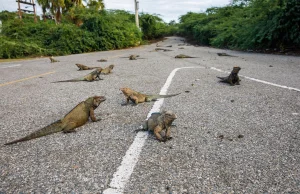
(261, 81)
(122, 175)
(10, 66)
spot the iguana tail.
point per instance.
(155, 97)
(71, 80)
(52, 128)
(222, 78)
(142, 128)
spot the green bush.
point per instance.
(247, 24)
(101, 30)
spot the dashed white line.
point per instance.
(16, 65)
(261, 81)
(122, 175)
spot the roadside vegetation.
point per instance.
(71, 27)
(246, 25)
(75, 28)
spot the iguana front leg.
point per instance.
(92, 115)
(238, 81)
(157, 131)
(168, 133)
(134, 99)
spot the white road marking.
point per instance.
(261, 81)
(122, 175)
(16, 65)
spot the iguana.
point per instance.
(224, 55)
(183, 56)
(53, 60)
(161, 49)
(132, 57)
(233, 78)
(77, 117)
(158, 122)
(137, 97)
(108, 69)
(89, 77)
(102, 60)
(84, 67)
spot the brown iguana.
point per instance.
(180, 56)
(89, 77)
(137, 97)
(53, 60)
(102, 60)
(108, 69)
(233, 78)
(224, 55)
(84, 67)
(158, 122)
(77, 117)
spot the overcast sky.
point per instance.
(167, 9)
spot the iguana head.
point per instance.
(111, 66)
(169, 116)
(78, 65)
(236, 69)
(97, 100)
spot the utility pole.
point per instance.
(136, 4)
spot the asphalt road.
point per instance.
(227, 139)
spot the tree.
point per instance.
(96, 4)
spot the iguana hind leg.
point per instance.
(70, 128)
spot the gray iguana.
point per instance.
(224, 55)
(84, 67)
(89, 77)
(52, 60)
(102, 60)
(158, 122)
(108, 69)
(181, 56)
(233, 77)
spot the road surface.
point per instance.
(227, 139)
